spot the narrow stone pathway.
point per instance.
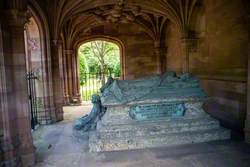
(58, 145)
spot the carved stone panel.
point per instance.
(156, 111)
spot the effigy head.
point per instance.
(107, 84)
(168, 77)
(95, 98)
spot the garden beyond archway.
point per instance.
(98, 60)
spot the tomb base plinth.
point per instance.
(156, 111)
(120, 129)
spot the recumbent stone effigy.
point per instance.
(160, 110)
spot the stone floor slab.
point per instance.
(59, 146)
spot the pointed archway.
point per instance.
(98, 59)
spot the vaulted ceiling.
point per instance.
(72, 18)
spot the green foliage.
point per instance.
(116, 70)
(83, 68)
(101, 56)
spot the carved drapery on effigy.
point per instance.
(158, 87)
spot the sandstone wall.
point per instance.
(139, 50)
(220, 59)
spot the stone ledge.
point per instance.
(115, 144)
(155, 130)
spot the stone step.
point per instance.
(124, 120)
(167, 122)
(157, 128)
(153, 132)
(110, 144)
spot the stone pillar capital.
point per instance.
(160, 51)
(56, 42)
(69, 51)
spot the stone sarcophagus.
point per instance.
(156, 111)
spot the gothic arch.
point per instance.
(106, 38)
(41, 20)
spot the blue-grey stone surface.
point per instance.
(168, 86)
(89, 121)
(156, 111)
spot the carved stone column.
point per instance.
(17, 141)
(160, 57)
(65, 79)
(185, 54)
(72, 76)
(78, 79)
(188, 45)
(76, 89)
(57, 77)
(68, 54)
